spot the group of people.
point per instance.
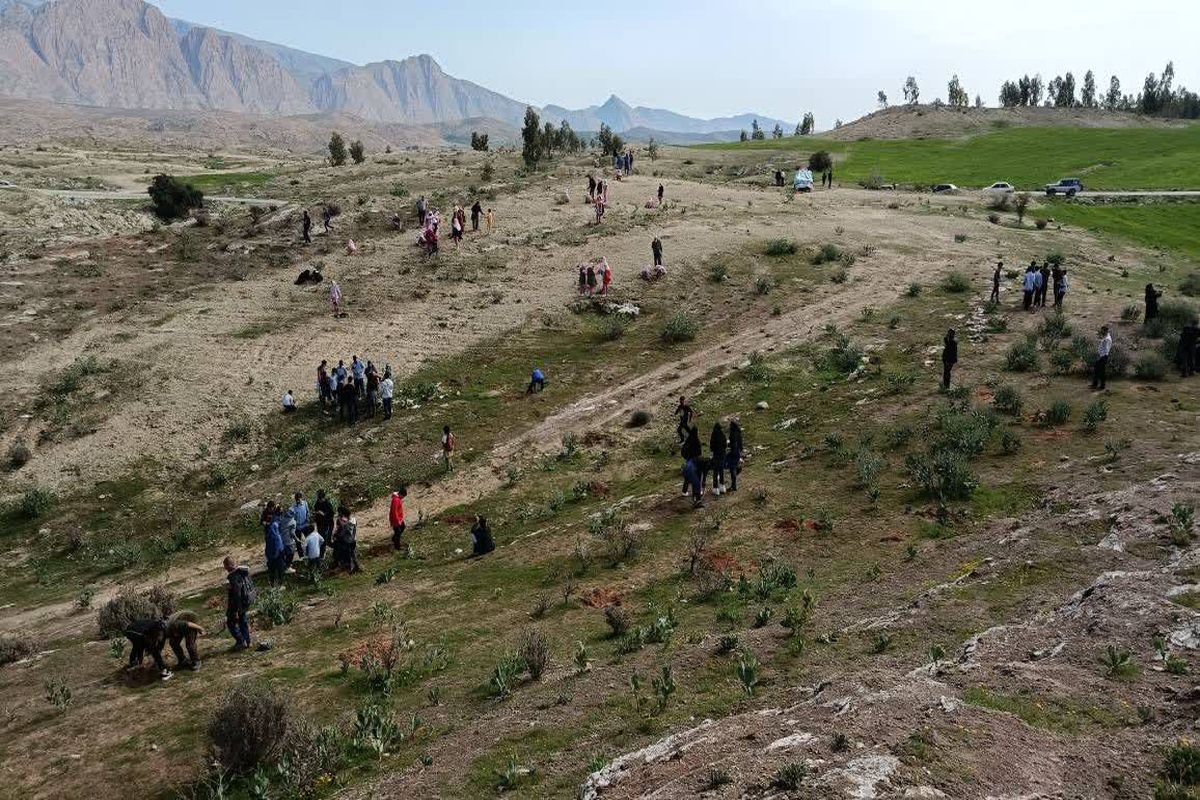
(306, 223)
(1036, 283)
(1187, 353)
(623, 162)
(345, 387)
(298, 530)
(726, 454)
(430, 222)
(597, 196)
(593, 273)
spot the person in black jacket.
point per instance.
(476, 213)
(691, 452)
(482, 542)
(1152, 296)
(949, 357)
(147, 637)
(717, 444)
(1186, 354)
(656, 251)
(733, 456)
(995, 298)
(239, 598)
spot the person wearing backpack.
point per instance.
(345, 542)
(240, 597)
(448, 447)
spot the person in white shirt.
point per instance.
(314, 546)
(289, 402)
(1099, 371)
(387, 388)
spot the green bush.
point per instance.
(843, 358)
(827, 254)
(34, 503)
(250, 726)
(780, 247)
(114, 617)
(941, 474)
(172, 198)
(1150, 366)
(1062, 360)
(1059, 413)
(1095, 413)
(679, 328)
(1131, 313)
(613, 327)
(1055, 258)
(1054, 329)
(1022, 356)
(1190, 285)
(956, 283)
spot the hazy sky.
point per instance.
(709, 58)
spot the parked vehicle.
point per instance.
(1000, 187)
(1068, 186)
(945, 188)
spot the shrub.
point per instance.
(956, 283)
(1041, 223)
(356, 152)
(277, 606)
(679, 328)
(1055, 258)
(505, 675)
(1010, 442)
(618, 619)
(994, 218)
(1054, 329)
(619, 539)
(15, 648)
(249, 727)
(790, 776)
(1007, 400)
(1059, 413)
(960, 237)
(747, 673)
(1095, 413)
(820, 161)
(18, 455)
(914, 290)
(1022, 356)
(1000, 202)
(534, 651)
(613, 327)
(129, 605)
(34, 503)
(172, 198)
(1190, 285)
(942, 474)
(843, 358)
(1062, 361)
(639, 419)
(1182, 765)
(1131, 313)
(718, 273)
(828, 253)
(1150, 366)
(1118, 663)
(780, 247)
(838, 276)
(1021, 203)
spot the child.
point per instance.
(582, 280)
(489, 220)
(482, 542)
(314, 546)
(607, 280)
(591, 279)
(289, 402)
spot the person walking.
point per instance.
(718, 446)
(949, 357)
(685, 413)
(733, 457)
(476, 214)
(327, 218)
(448, 445)
(1100, 369)
(1061, 284)
(396, 516)
(306, 227)
(1045, 283)
(239, 597)
(656, 250)
(335, 297)
(1028, 285)
(1152, 296)
(692, 451)
(995, 297)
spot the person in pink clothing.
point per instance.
(335, 297)
(607, 277)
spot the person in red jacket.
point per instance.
(396, 516)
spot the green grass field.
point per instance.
(1104, 158)
(215, 183)
(1169, 226)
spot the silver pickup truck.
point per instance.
(1068, 186)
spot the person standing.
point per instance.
(396, 516)
(1185, 355)
(348, 403)
(482, 542)
(656, 250)
(685, 413)
(1060, 288)
(302, 515)
(582, 280)
(490, 220)
(358, 371)
(591, 187)
(733, 459)
(1044, 285)
(323, 382)
(335, 297)
(949, 357)
(323, 517)
(717, 444)
(476, 213)
(692, 451)
(306, 227)
(448, 445)
(591, 279)
(387, 388)
(605, 277)
(995, 297)
(345, 542)
(422, 210)
(660, 195)
(327, 218)
(239, 598)
(1100, 370)
(1152, 296)
(1028, 285)
(273, 547)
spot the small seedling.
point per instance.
(1118, 664)
(790, 776)
(58, 694)
(747, 673)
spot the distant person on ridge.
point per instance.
(306, 227)
(656, 250)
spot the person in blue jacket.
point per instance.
(537, 381)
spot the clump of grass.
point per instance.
(780, 247)
(789, 776)
(613, 327)
(828, 253)
(1022, 356)
(534, 651)
(839, 276)
(639, 419)
(763, 285)
(960, 238)
(34, 503)
(678, 329)
(1150, 366)
(15, 648)
(1095, 413)
(1118, 663)
(913, 290)
(1054, 329)
(715, 779)
(1131, 313)
(1058, 413)
(718, 273)
(747, 673)
(1008, 400)
(1180, 771)
(18, 454)
(956, 283)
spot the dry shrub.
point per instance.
(15, 648)
(250, 726)
(114, 616)
(534, 650)
(619, 620)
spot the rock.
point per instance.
(762, 405)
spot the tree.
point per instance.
(881, 98)
(1088, 98)
(652, 149)
(172, 198)
(978, 101)
(837, 123)
(778, 132)
(756, 132)
(531, 138)
(1053, 90)
(820, 161)
(1035, 90)
(337, 149)
(912, 94)
(479, 141)
(1065, 96)
(356, 152)
(798, 131)
(956, 95)
(1022, 204)
(808, 124)
(610, 143)
(1112, 100)
(744, 137)
(1011, 95)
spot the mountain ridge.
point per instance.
(128, 54)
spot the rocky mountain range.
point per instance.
(126, 54)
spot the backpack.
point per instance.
(249, 594)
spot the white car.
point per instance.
(1000, 187)
(945, 188)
